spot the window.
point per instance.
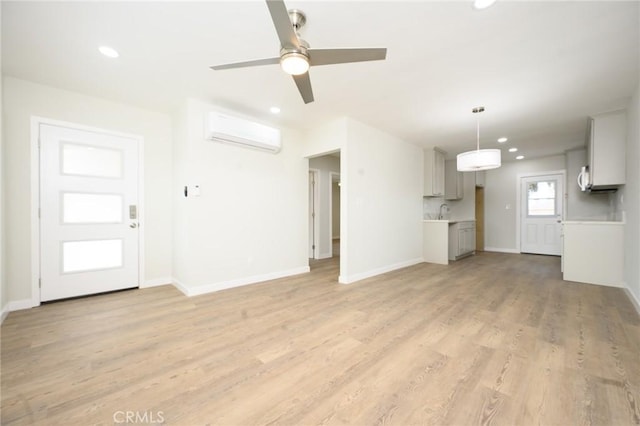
(541, 198)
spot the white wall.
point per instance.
(250, 222)
(632, 200)
(324, 139)
(22, 100)
(325, 165)
(500, 200)
(583, 205)
(4, 290)
(381, 203)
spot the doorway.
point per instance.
(89, 211)
(324, 208)
(541, 211)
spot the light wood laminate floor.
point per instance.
(492, 339)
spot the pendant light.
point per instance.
(480, 159)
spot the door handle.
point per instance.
(133, 225)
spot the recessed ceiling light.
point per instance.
(274, 110)
(513, 149)
(502, 140)
(520, 157)
(108, 51)
(482, 4)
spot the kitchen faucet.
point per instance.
(440, 215)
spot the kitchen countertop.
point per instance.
(447, 220)
(592, 222)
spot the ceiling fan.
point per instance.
(295, 54)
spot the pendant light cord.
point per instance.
(478, 133)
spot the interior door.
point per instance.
(541, 214)
(88, 212)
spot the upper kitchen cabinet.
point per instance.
(606, 141)
(433, 172)
(453, 181)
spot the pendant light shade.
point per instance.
(480, 159)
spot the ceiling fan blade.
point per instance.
(282, 22)
(304, 87)
(343, 56)
(254, 63)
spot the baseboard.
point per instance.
(634, 300)
(180, 286)
(18, 305)
(325, 256)
(502, 250)
(157, 282)
(210, 288)
(378, 271)
(5, 312)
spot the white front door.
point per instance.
(88, 212)
(541, 214)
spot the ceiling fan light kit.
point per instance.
(294, 63)
(296, 57)
(479, 159)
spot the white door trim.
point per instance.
(35, 196)
(316, 218)
(331, 176)
(519, 198)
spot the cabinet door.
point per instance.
(471, 239)
(461, 241)
(607, 149)
(438, 178)
(453, 181)
(433, 172)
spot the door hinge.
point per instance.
(313, 247)
(40, 282)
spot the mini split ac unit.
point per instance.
(237, 131)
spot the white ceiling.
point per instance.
(539, 68)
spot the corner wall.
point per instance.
(4, 290)
(632, 200)
(22, 100)
(381, 203)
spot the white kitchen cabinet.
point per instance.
(593, 252)
(435, 241)
(453, 181)
(606, 142)
(462, 239)
(433, 172)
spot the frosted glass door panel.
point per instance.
(91, 208)
(87, 160)
(80, 256)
